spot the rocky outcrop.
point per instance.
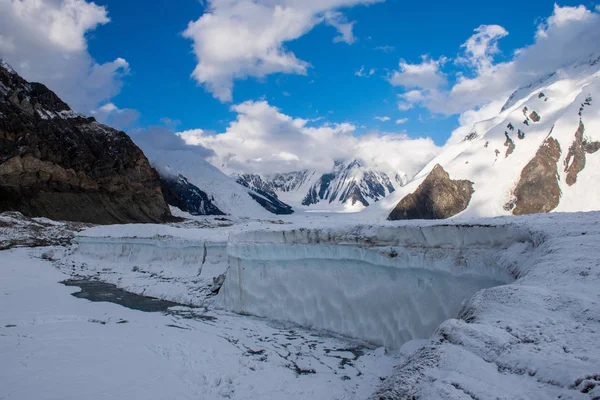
(509, 144)
(591, 147)
(537, 190)
(58, 164)
(180, 193)
(263, 192)
(437, 197)
(270, 203)
(534, 116)
(575, 160)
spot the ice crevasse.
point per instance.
(384, 285)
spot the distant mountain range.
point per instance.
(349, 185)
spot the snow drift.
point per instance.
(385, 285)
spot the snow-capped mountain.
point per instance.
(538, 154)
(179, 192)
(224, 193)
(349, 185)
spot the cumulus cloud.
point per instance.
(45, 41)
(570, 34)
(235, 39)
(264, 140)
(481, 47)
(401, 121)
(426, 74)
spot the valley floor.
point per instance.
(56, 346)
(532, 333)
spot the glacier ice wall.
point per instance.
(166, 267)
(384, 285)
(174, 253)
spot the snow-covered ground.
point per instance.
(55, 346)
(504, 308)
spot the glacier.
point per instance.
(384, 285)
(504, 307)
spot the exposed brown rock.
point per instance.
(509, 144)
(438, 197)
(57, 164)
(537, 190)
(534, 116)
(575, 161)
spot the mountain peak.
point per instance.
(6, 66)
(58, 164)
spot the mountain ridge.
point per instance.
(59, 164)
(348, 185)
(538, 154)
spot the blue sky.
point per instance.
(159, 84)
(280, 85)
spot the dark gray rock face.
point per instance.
(263, 193)
(180, 193)
(438, 197)
(270, 203)
(55, 163)
(537, 190)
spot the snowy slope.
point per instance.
(229, 196)
(349, 186)
(561, 100)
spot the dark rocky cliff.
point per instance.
(58, 164)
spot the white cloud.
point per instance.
(262, 139)
(45, 41)
(236, 39)
(345, 28)
(118, 118)
(364, 73)
(482, 46)
(570, 34)
(108, 108)
(426, 75)
(158, 139)
(401, 121)
(383, 119)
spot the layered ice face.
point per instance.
(384, 285)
